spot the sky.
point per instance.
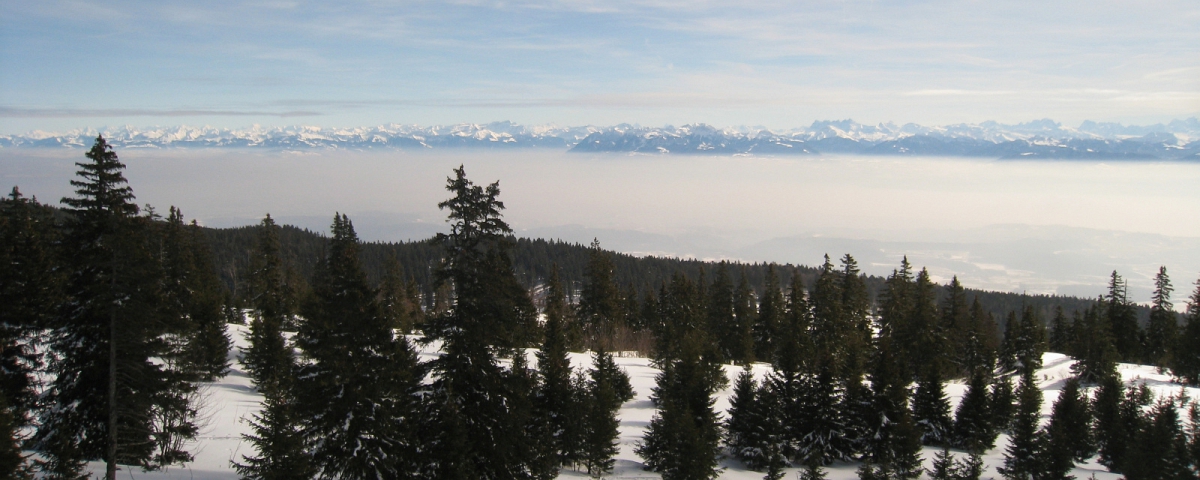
(85, 64)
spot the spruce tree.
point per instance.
(1185, 359)
(1001, 403)
(358, 399)
(106, 384)
(1060, 332)
(956, 322)
(812, 471)
(469, 423)
(743, 427)
(209, 345)
(856, 352)
(840, 337)
(983, 339)
(770, 315)
(825, 438)
(188, 303)
(829, 328)
(1029, 341)
(1010, 347)
(973, 429)
(557, 400)
(1159, 449)
(893, 444)
(30, 290)
(1021, 457)
(790, 380)
(1163, 329)
(599, 299)
(395, 299)
(282, 451)
(268, 357)
(1122, 321)
(1067, 438)
(683, 440)
(931, 409)
(608, 388)
(1095, 353)
(722, 319)
(945, 466)
(605, 366)
(775, 440)
(681, 313)
(531, 438)
(745, 313)
(191, 301)
(1118, 419)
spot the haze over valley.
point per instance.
(1009, 225)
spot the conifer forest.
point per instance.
(457, 357)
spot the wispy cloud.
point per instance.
(17, 112)
(581, 61)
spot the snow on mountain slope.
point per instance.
(232, 399)
(1039, 138)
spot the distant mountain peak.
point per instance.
(1037, 138)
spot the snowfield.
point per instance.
(233, 399)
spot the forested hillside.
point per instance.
(532, 259)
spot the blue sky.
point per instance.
(75, 64)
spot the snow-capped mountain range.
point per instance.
(1179, 139)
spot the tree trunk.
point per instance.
(110, 472)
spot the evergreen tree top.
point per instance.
(1161, 299)
(103, 189)
(475, 218)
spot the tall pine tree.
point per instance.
(607, 389)
(973, 429)
(1067, 438)
(1122, 320)
(268, 356)
(109, 334)
(557, 399)
(599, 299)
(1163, 330)
(770, 316)
(1159, 449)
(358, 399)
(683, 440)
(1093, 349)
(1021, 457)
(470, 423)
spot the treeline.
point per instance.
(131, 309)
(532, 259)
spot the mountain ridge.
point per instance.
(1045, 138)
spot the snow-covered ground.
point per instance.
(233, 399)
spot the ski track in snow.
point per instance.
(233, 399)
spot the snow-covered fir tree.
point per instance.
(1022, 455)
(973, 429)
(357, 397)
(683, 440)
(469, 422)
